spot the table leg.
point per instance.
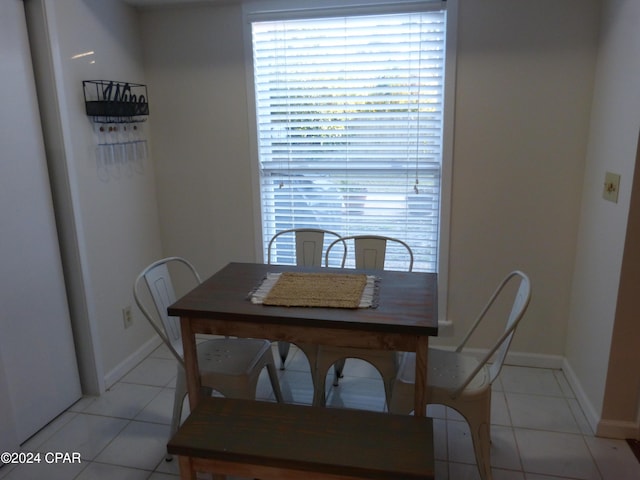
(190, 362)
(422, 351)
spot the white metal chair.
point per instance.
(309, 245)
(460, 381)
(370, 253)
(230, 366)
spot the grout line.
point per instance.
(446, 429)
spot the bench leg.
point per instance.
(186, 468)
(188, 472)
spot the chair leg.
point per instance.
(480, 427)
(178, 400)
(275, 383)
(388, 388)
(482, 448)
(338, 367)
(323, 364)
(283, 350)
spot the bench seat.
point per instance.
(284, 442)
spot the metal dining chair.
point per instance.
(371, 252)
(309, 247)
(459, 380)
(230, 366)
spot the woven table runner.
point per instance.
(293, 289)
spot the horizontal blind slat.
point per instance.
(349, 116)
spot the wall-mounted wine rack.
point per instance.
(117, 110)
(109, 101)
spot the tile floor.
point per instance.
(538, 431)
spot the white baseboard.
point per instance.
(131, 361)
(535, 360)
(592, 415)
(602, 427)
(522, 359)
(617, 429)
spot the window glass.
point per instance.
(349, 114)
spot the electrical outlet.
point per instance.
(611, 187)
(127, 316)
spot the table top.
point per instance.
(407, 301)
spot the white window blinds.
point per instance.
(350, 127)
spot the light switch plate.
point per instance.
(611, 187)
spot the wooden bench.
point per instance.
(284, 442)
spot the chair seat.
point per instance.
(230, 356)
(447, 369)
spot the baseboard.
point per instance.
(535, 360)
(521, 359)
(131, 361)
(611, 429)
(592, 415)
(603, 428)
(617, 429)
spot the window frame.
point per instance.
(263, 10)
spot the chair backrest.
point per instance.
(370, 251)
(158, 281)
(309, 243)
(501, 346)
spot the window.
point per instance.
(350, 122)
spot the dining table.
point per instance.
(401, 317)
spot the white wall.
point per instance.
(196, 70)
(522, 109)
(523, 99)
(110, 224)
(612, 147)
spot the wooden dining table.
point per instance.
(403, 317)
